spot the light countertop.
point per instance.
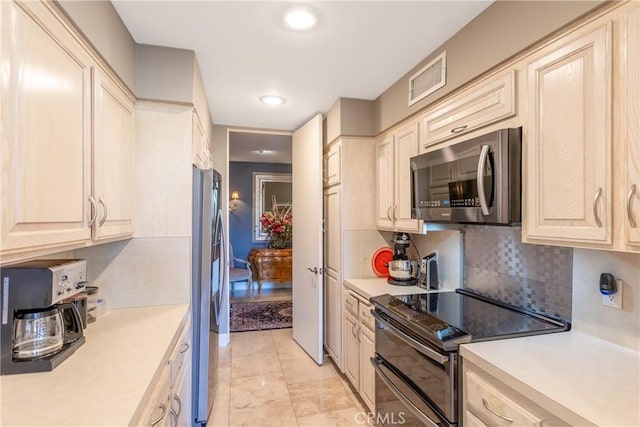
(578, 377)
(372, 287)
(107, 377)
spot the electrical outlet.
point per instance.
(614, 300)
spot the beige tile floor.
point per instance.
(266, 379)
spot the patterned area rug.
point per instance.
(256, 316)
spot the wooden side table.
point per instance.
(270, 265)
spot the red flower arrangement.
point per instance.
(278, 224)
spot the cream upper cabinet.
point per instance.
(406, 146)
(486, 102)
(332, 165)
(113, 145)
(568, 183)
(384, 183)
(393, 179)
(201, 147)
(631, 130)
(45, 131)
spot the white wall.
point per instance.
(620, 327)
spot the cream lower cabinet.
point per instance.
(582, 137)
(359, 346)
(113, 144)
(393, 179)
(45, 131)
(169, 403)
(488, 402)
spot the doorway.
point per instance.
(259, 164)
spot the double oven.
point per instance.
(417, 339)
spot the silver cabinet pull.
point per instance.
(179, 402)
(106, 212)
(185, 347)
(94, 207)
(596, 199)
(161, 416)
(352, 330)
(486, 405)
(632, 220)
(389, 213)
(458, 129)
(395, 211)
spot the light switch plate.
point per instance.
(614, 300)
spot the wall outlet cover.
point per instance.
(614, 300)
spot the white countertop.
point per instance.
(578, 377)
(105, 380)
(372, 287)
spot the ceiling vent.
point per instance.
(430, 78)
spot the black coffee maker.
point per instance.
(38, 330)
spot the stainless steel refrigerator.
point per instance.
(207, 293)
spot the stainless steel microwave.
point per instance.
(477, 181)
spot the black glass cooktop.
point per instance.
(462, 316)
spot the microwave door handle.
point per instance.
(480, 180)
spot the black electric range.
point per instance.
(447, 319)
(417, 339)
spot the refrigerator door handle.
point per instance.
(223, 264)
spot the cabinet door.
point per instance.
(351, 349)
(45, 131)
(568, 179)
(406, 146)
(113, 158)
(332, 165)
(367, 372)
(199, 143)
(631, 190)
(384, 183)
(485, 103)
(333, 319)
(332, 230)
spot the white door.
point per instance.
(307, 237)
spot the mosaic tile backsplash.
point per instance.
(498, 265)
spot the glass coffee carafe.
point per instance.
(41, 332)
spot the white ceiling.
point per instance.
(359, 49)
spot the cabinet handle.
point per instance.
(162, 414)
(352, 330)
(106, 212)
(358, 333)
(395, 216)
(94, 207)
(458, 129)
(185, 347)
(179, 402)
(596, 199)
(174, 417)
(389, 213)
(632, 192)
(486, 405)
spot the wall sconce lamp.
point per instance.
(233, 206)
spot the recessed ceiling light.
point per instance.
(300, 19)
(272, 100)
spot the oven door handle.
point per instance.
(401, 396)
(431, 354)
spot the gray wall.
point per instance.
(501, 31)
(101, 24)
(164, 74)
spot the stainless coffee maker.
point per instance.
(38, 330)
